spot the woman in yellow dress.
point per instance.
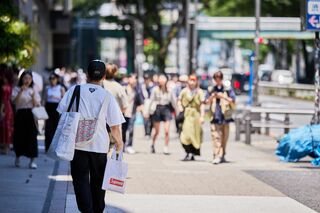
(191, 101)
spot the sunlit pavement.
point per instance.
(253, 180)
(159, 183)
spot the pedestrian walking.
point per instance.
(147, 88)
(117, 90)
(222, 102)
(135, 101)
(163, 104)
(181, 84)
(25, 97)
(191, 103)
(89, 162)
(52, 96)
(6, 111)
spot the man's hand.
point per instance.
(116, 133)
(220, 95)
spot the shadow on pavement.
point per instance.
(114, 209)
(302, 186)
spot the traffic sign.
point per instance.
(313, 15)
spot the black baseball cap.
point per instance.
(96, 70)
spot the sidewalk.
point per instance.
(25, 190)
(159, 183)
(253, 180)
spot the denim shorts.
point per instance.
(162, 113)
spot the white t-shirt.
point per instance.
(91, 99)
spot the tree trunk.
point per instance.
(162, 62)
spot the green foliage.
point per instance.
(87, 8)
(280, 8)
(151, 50)
(16, 45)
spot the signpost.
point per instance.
(313, 15)
(313, 24)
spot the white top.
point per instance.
(25, 100)
(54, 94)
(91, 99)
(131, 93)
(161, 97)
(118, 91)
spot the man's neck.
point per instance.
(95, 82)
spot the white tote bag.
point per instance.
(64, 140)
(115, 174)
(40, 113)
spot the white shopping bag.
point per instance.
(115, 174)
(64, 139)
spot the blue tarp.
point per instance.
(299, 143)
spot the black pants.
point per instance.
(87, 171)
(51, 123)
(128, 126)
(147, 126)
(25, 134)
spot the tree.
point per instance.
(276, 8)
(16, 44)
(149, 14)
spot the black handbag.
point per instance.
(180, 116)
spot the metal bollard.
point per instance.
(238, 127)
(286, 122)
(248, 129)
(267, 119)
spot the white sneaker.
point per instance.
(130, 150)
(217, 160)
(166, 150)
(33, 165)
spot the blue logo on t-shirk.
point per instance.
(92, 90)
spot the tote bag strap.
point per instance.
(75, 95)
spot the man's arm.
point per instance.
(116, 133)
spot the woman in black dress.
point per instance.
(25, 130)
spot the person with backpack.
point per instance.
(221, 99)
(89, 161)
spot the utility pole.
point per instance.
(192, 37)
(256, 62)
(316, 117)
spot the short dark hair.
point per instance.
(27, 72)
(96, 70)
(218, 74)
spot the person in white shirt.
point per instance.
(89, 162)
(25, 98)
(52, 96)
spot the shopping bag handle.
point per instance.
(117, 155)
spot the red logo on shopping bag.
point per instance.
(116, 182)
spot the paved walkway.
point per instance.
(159, 183)
(253, 180)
